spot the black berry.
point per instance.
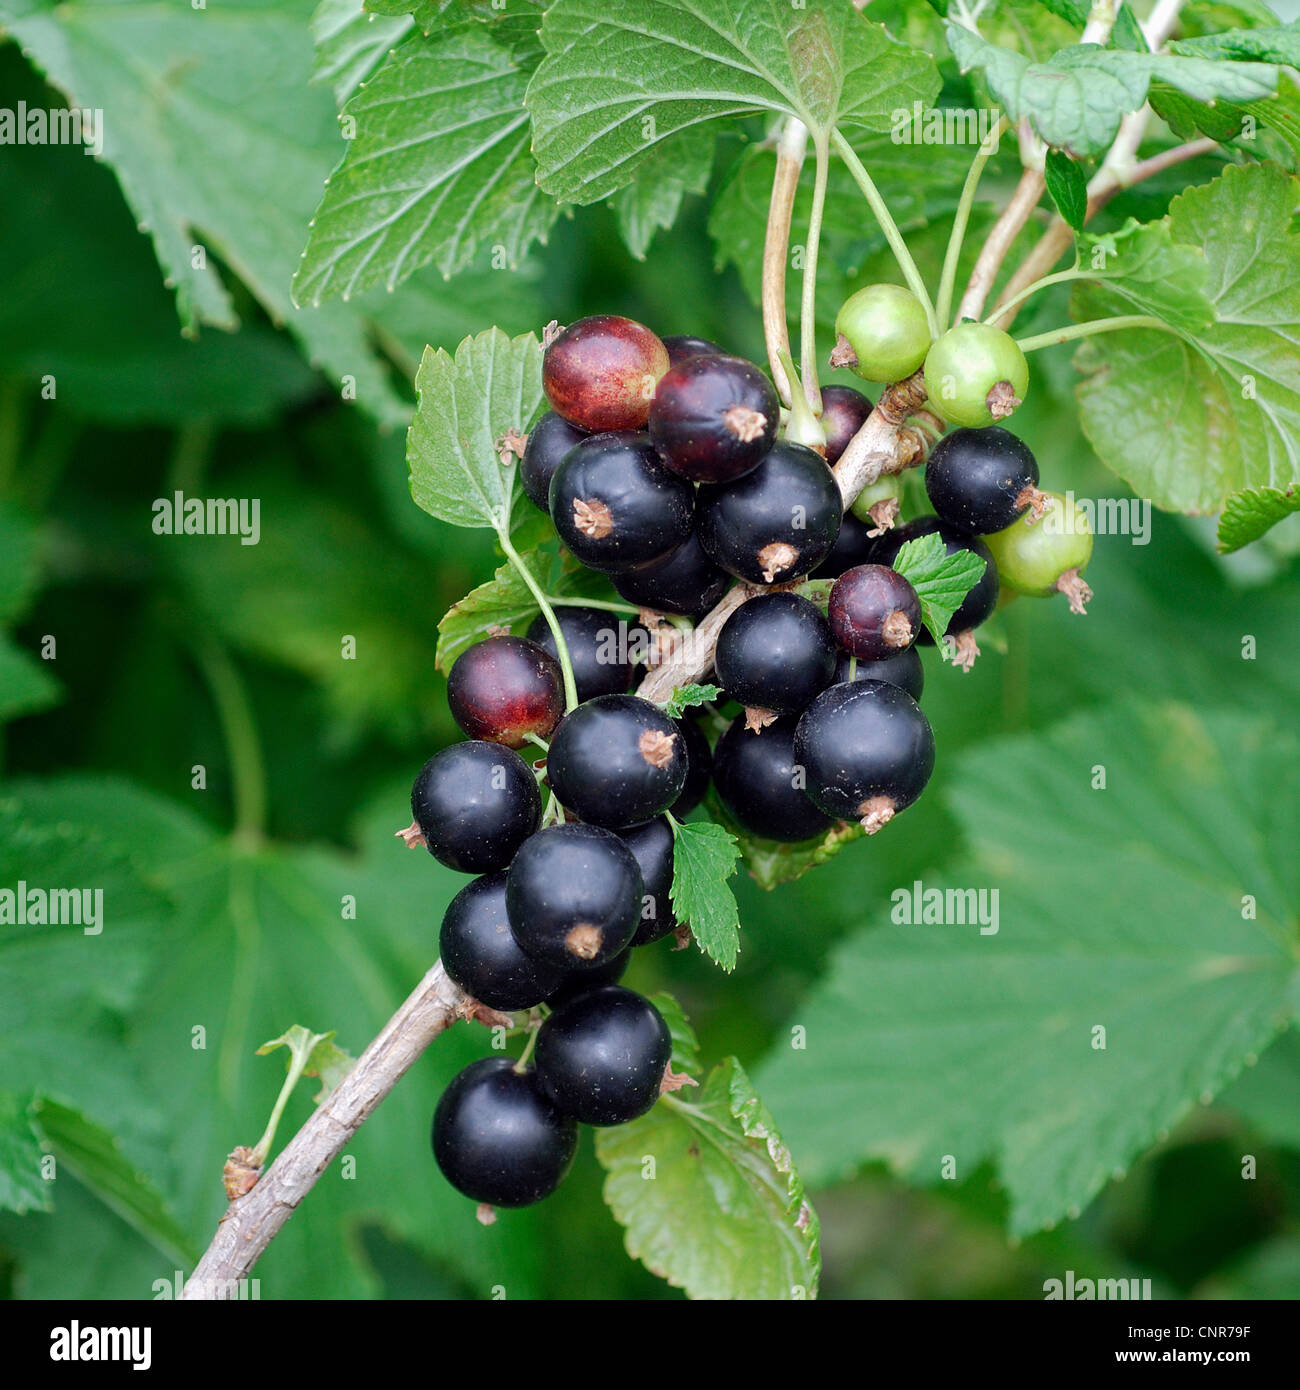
(981, 480)
(699, 757)
(844, 412)
(867, 751)
(573, 896)
(504, 689)
(685, 581)
(475, 804)
(777, 522)
(904, 670)
(580, 981)
(683, 345)
(874, 612)
(548, 441)
(761, 785)
(498, 1138)
(652, 845)
(600, 373)
(617, 761)
(599, 644)
(616, 505)
(714, 418)
(481, 955)
(775, 653)
(980, 602)
(853, 546)
(601, 1057)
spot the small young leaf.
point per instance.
(1247, 515)
(704, 859)
(941, 580)
(314, 1054)
(467, 404)
(726, 1216)
(686, 1047)
(687, 695)
(1068, 187)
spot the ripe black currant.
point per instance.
(761, 785)
(599, 643)
(600, 373)
(774, 654)
(874, 612)
(503, 689)
(683, 345)
(573, 896)
(777, 522)
(475, 804)
(580, 981)
(481, 955)
(853, 546)
(867, 751)
(714, 418)
(548, 441)
(904, 670)
(699, 757)
(601, 1057)
(498, 1138)
(652, 844)
(616, 505)
(617, 761)
(981, 480)
(844, 412)
(980, 602)
(685, 581)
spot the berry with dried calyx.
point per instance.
(601, 372)
(976, 375)
(774, 655)
(714, 418)
(983, 480)
(503, 689)
(473, 805)
(1048, 556)
(874, 612)
(883, 333)
(761, 784)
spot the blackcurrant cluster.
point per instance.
(661, 467)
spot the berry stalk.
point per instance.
(566, 665)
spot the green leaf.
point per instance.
(1068, 187)
(1143, 266)
(676, 167)
(1189, 419)
(941, 580)
(350, 44)
(1279, 43)
(438, 169)
(466, 405)
(1127, 32)
(686, 1047)
(1267, 1095)
(616, 81)
(313, 1054)
(1249, 514)
(426, 13)
(1120, 908)
(1077, 98)
(704, 858)
(685, 696)
(773, 862)
(25, 684)
(97, 1161)
(724, 1215)
(22, 1188)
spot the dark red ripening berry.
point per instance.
(573, 895)
(548, 441)
(874, 612)
(762, 787)
(505, 688)
(844, 412)
(714, 418)
(775, 654)
(685, 581)
(777, 522)
(904, 670)
(475, 804)
(867, 751)
(617, 761)
(498, 1139)
(601, 372)
(599, 644)
(980, 602)
(683, 345)
(479, 951)
(616, 505)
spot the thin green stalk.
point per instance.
(296, 1064)
(606, 605)
(808, 304)
(1060, 278)
(538, 741)
(888, 226)
(1087, 330)
(526, 1055)
(566, 666)
(948, 279)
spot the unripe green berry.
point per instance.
(1046, 556)
(976, 375)
(884, 333)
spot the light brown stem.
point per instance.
(994, 251)
(251, 1222)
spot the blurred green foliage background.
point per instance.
(174, 652)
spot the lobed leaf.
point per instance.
(704, 858)
(941, 581)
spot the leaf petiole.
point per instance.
(566, 665)
(1087, 330)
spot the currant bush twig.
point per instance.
(808, 303)
(994, 251)
(251, 1222)
(790, 150)
(566, 665)
(943, 305)
(1089, 329)
(888, 226)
